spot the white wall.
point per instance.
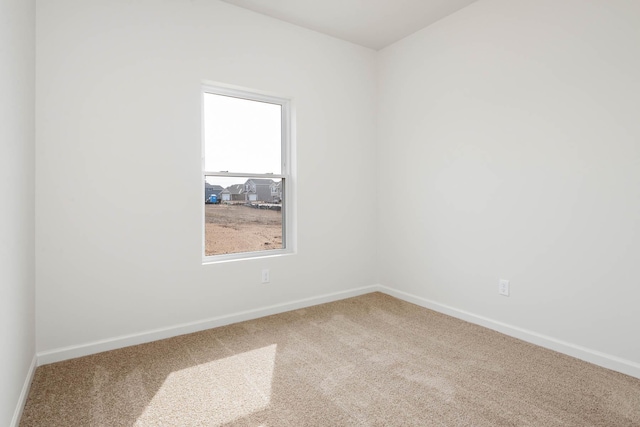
(118, 164)
(509, 148)
(17, 303)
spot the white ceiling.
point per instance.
(371, 23)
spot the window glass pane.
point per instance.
(243, 215)
(241, 135)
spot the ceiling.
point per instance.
(370, 23)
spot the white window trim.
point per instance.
(288, 238)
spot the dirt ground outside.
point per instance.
(237, 228)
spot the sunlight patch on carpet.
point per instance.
(215, 392)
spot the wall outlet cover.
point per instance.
(503, 287)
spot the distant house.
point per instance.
(276, 192)
(233, 193)
(210, 189)
(258, 190)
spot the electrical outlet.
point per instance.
(503, 287)
(265, 275)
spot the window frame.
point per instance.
(285, 174)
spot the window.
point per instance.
(246, 149)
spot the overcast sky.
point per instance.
(241, 136)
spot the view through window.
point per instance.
(245, 172)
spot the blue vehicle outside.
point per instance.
(213, 199)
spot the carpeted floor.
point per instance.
(366, 361)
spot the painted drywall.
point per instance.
(17, 146)
(118, 147)
(508, 149)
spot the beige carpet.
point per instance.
(366, 361)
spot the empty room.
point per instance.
(320, 213)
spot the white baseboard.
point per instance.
(592, 356)
(71, 352)
(604, 360)
(22, 400)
